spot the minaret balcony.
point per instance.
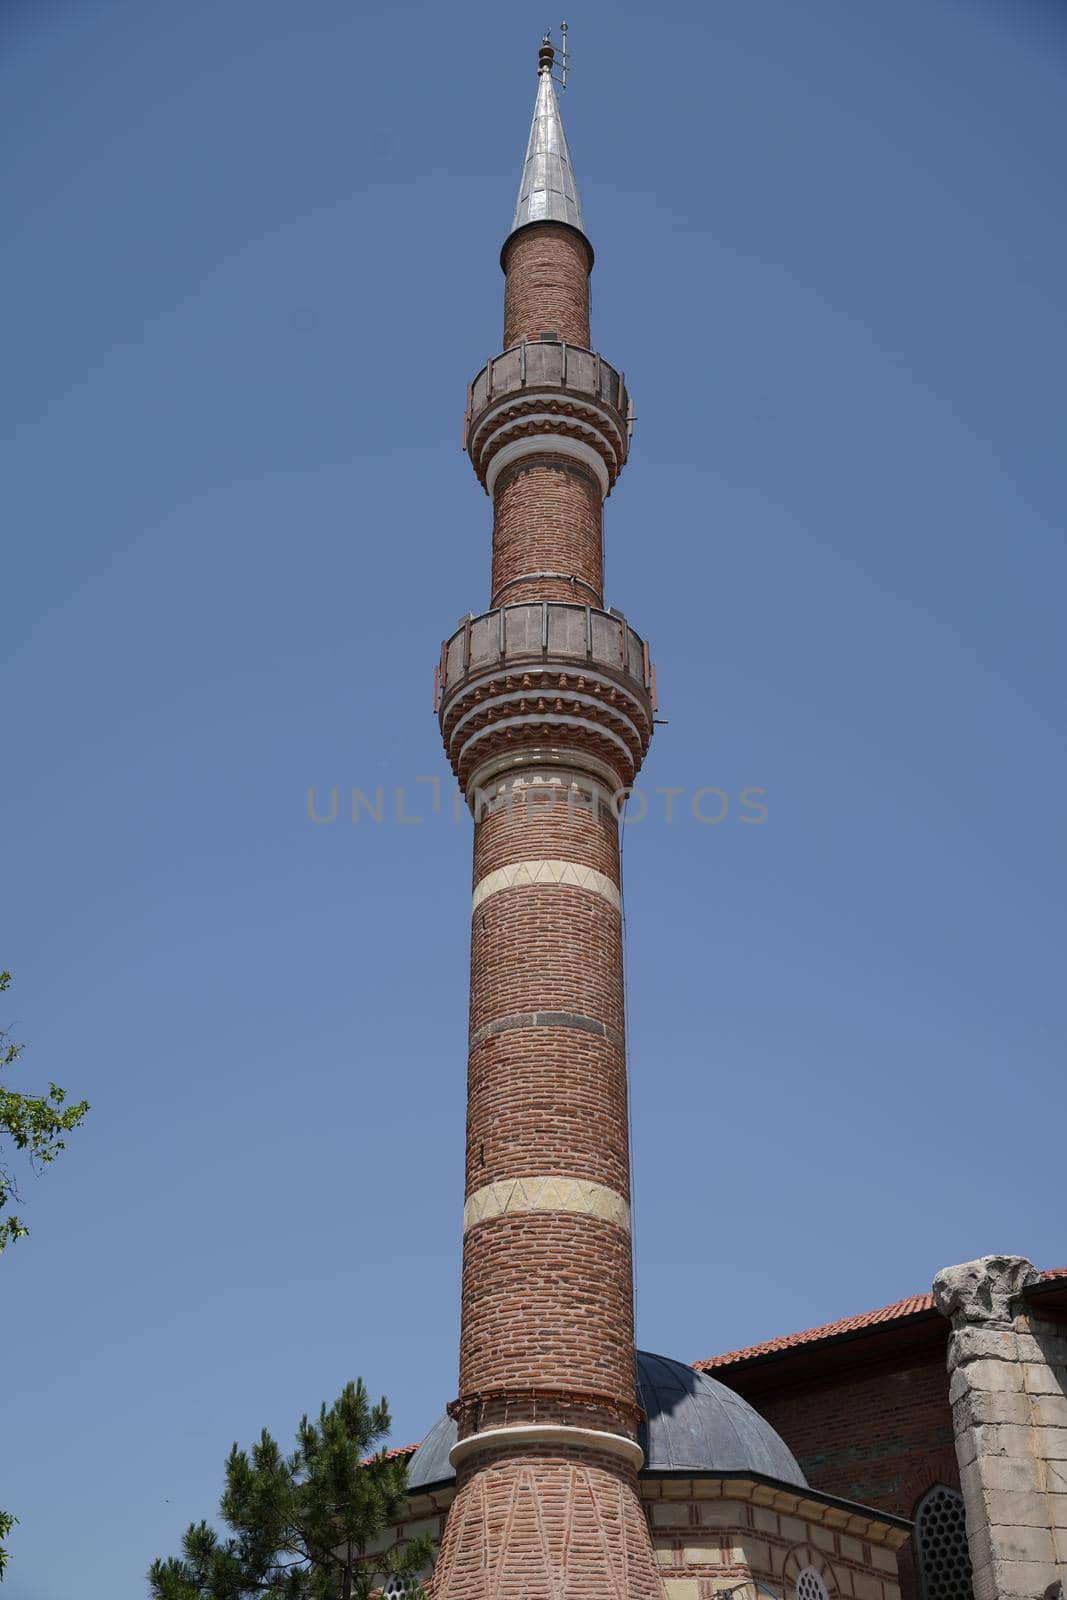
(547, 395)
(543, 681)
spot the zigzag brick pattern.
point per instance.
(547, 1528)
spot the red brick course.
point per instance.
(547, 1300)
(547, 516)
(541, 824)
(546, 284)
(547, 1101)
(553, 948)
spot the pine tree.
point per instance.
(301, 1524)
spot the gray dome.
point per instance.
(695, 1424)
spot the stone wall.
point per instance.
(1009, 1402)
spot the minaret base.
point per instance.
(544, 1524)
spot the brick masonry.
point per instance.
(875, 1431)
(547, 519)
(707, 1534)
(546, 281)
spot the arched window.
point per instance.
(941, 1545)
(809, 1586)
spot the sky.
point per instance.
(251, 264)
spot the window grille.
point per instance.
(809, 1586)
(941, 1542)
(397, 1586)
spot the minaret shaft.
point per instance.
(546, 705)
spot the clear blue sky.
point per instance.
(251, 263)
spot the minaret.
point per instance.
(546, 705)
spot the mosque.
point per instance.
(917, 1451)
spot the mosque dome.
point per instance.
(695, 1424)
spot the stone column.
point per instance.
(1009, 1406)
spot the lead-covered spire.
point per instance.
(547, 190)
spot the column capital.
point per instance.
(983, 1290)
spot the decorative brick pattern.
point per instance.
(546, 284)
(532, 874)
(547, 1527)
(512, 1196)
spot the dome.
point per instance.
(695, 1424)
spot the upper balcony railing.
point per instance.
(539, 376)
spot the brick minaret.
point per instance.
(546, 706)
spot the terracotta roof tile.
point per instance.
(899, 1311)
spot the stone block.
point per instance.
(758, 1555)
(1001, 1439)
(975, 1343)
(864, 1587)
(999, 1472)
(669, 1514)
(1040, 1378)
(1050, 1410)
(766, 1521)
(1014, 1508)
(701, 1555)
(851, 1549)
(994, 1376)
(825, 1540)
(681, 1588)
(1023, 1580)
(1023, 1546)
(884, 1560)
(978, 1406)
(984, 1582)
(793, 1529)
(722, 1514)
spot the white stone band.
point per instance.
(515, 1196)
(556, 444)
(613, 1444)
(542, 874)
(541, 767)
